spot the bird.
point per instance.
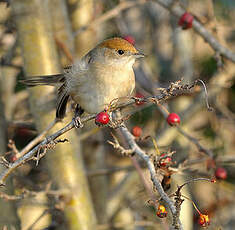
(105, 73)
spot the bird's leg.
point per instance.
(76, 119)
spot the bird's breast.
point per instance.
(98, 87)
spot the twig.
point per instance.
(28, 156)
(206, 95)
(12, 146)
(124, 5)
(65, 49)
(131, 141)
(140, 172)
(121, 150)
(196, 142)
(173, 90)
(36, 140)
(42, 215)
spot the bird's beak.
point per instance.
(139, 55)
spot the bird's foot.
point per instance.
(77, 122)
(76, 119)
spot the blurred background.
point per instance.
(86, 184)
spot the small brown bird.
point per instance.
(105, 73)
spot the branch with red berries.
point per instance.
(152, 170)
(154, 163)
(103, 118)
(160, 163)
(187, 20)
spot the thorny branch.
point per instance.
(150, 165)
(174, 89)
(10, 167)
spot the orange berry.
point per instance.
(204, 220)
(161, 211)
(136, 131)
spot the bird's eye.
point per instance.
(120, 52)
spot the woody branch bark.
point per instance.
(137, 150)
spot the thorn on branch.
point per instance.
(4, 162)
(139, 100)
(118, 123)
(206, 95)
(43, 149)
(12, 146)
(178, 203)
(121, 150)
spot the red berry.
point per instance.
(221, 173)
(130, 39)
(136, 131)
(173, 119)
(102, 118)
(161, 211)
(186, 21)
(165, 161)
(13, 158)
(204, 220)
(139, 95)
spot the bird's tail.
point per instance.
(44, 80)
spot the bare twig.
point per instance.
(121, 150)
(196, 142)
(206, 95)
(28, 156)
(124, 5)
(133, 145)
(173, 90)
(36, 140)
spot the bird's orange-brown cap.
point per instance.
(118, 44)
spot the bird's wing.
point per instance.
(44, 80)
(79, 67)
(62, 100)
